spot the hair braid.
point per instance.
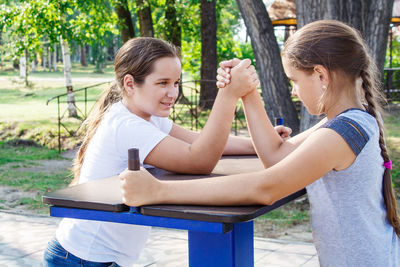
(369, 86)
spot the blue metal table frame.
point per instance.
(217, 236)
(210, 243)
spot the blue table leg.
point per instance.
(232, 249)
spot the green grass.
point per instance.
(286, 216)
(25, 154)
(23, 110)
(16, 170)
(32, 180)
(392, 125)
(77, 71)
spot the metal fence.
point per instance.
(392, 84)
(186, 111)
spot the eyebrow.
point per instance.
(163, 79)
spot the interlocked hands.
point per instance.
(238, 76)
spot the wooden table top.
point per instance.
(105, 194)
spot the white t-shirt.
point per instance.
(107, 155)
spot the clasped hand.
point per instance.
(238, 76)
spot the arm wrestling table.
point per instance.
(217, 235)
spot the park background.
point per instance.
(56, 57)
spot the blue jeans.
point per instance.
(56, 256)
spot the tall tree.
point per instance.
(274, 84)
(370, 17)
(83, 55)
(208, 72)
(173, 29)
(308, 11)
(145, 19)
(124, 20)
(54, 57)
(173, 32)
(68, 78)
(23, 67)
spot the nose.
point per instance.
(173, 91)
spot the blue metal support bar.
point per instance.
(139, 219)
(233, 249)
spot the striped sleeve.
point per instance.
(355, 136)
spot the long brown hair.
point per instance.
(135, 57)
(341, 49)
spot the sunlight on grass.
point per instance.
(11, 153)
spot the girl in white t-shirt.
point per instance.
(134, 113)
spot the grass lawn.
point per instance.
(392, 124)
(18, 168)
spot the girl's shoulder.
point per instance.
(355, 126)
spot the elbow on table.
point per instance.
(203, 168)
(270, 161)
(266, 200)
(266, 195)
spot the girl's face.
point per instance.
(157, 94)
(306, 86)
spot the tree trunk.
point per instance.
(370, 17)
(22, 66)
(376, 30)
(274, 84)
(208, 72)
(68, 79)
(308, 11)
(44, 60)
(1, 58)
(173, 31)
(33, 66)
(124, 20)
(145, 20)
(83, 55)
(49, 58)
(54, 55)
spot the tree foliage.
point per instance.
(31, 22)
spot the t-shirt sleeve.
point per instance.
(138, 134)
(351, 131)
(164, 124)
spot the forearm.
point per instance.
(269, 147)
(211, 141)
(241, 189)
(237, 145)
(266, 141)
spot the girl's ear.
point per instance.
(323, 74)
(129, 84)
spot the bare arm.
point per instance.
(201, 155)
(269, 146)
(236, 145)
(323, 151)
